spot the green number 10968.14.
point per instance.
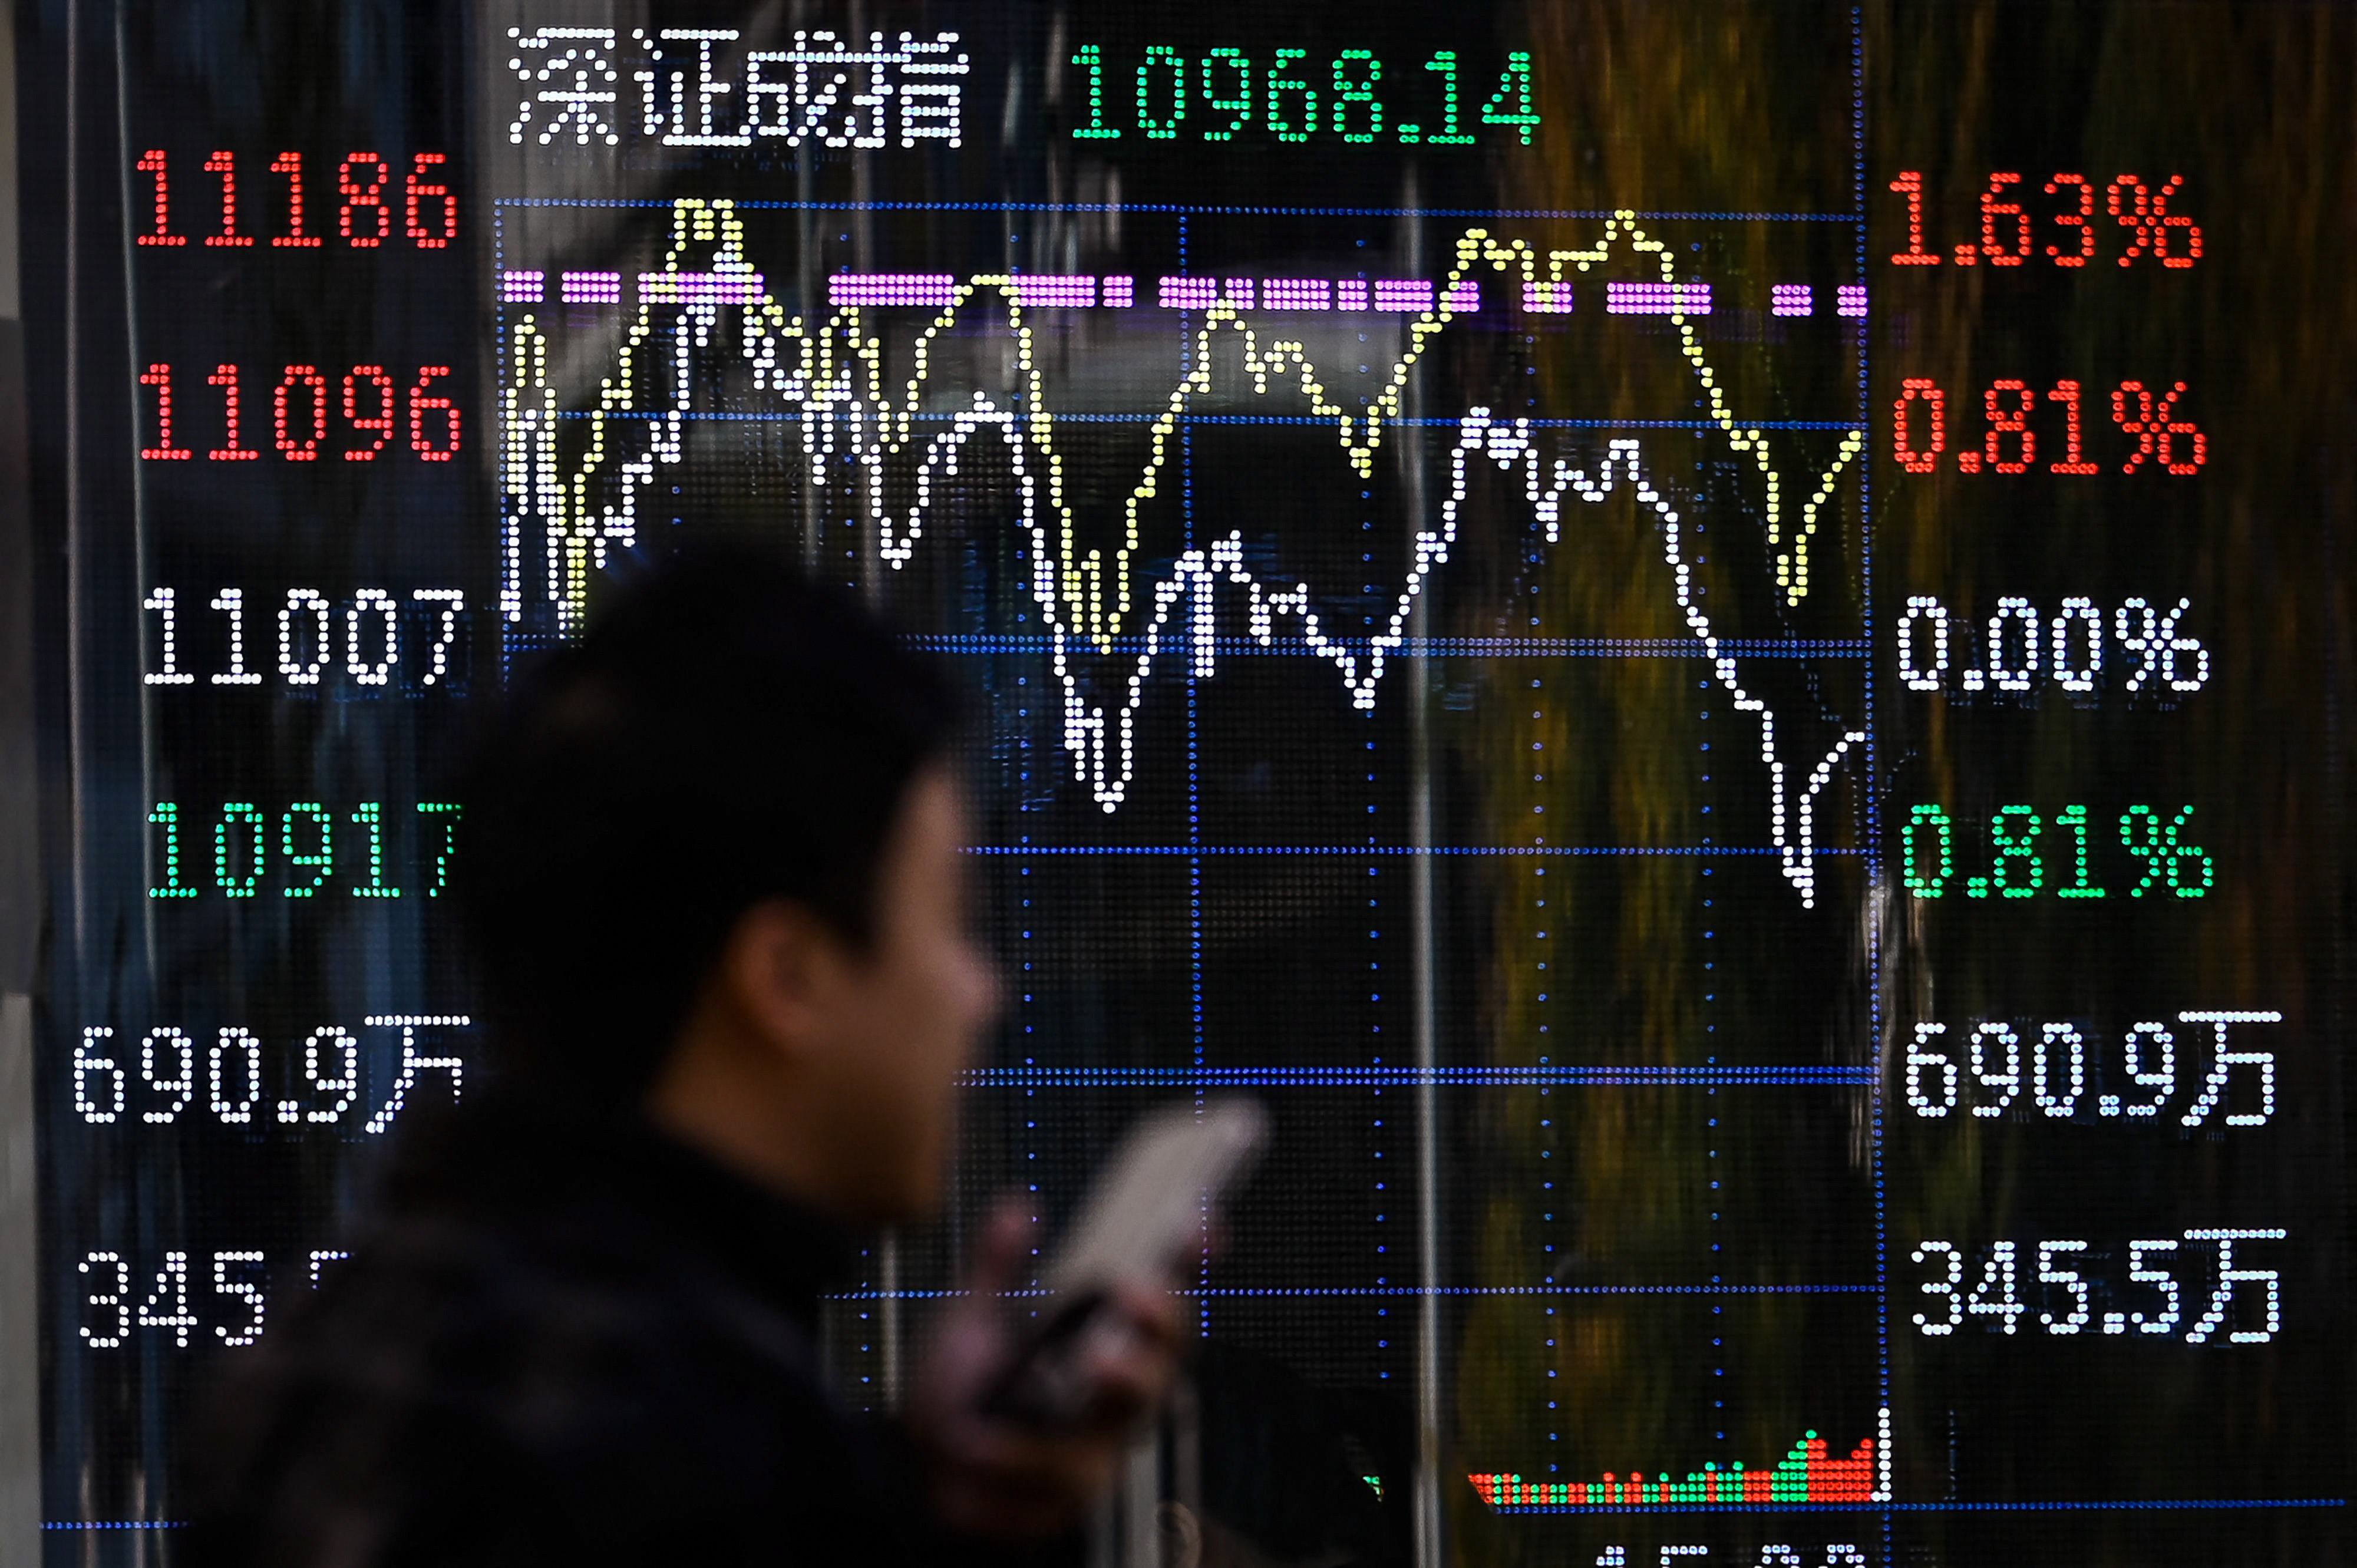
(1225, 94)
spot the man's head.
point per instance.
(713, 869)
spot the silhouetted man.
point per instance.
(712, 868)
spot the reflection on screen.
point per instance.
(1705, 642)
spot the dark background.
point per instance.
(1707, 1073)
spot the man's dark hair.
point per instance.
(726, 731)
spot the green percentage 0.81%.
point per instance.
(2022, 842)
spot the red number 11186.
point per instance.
(365, 215)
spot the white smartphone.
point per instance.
(1141, 1218)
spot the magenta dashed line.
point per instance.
(1188, 294)
(1657, 299)
(930, 291)
(1297, 294)
(1044, 290)
(590, 288)
(938, 291)
(1547, 298)
(700, 289)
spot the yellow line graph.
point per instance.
(835, 372)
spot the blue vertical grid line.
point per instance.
(1194, 791)
(1868, 786)
(507, 377)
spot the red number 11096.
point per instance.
(301, 408)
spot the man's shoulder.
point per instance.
(576, 1370)
(547, 1324)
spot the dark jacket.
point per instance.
(563, 1339)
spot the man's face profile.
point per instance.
(913, 1004)
(829, 1059)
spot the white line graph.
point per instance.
(1084, 599)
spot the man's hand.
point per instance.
(994, 1476)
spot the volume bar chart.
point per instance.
(1808, 1474)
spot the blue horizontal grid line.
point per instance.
(1192, 210)
(2114, 1505)
(1542, 1288)
(2124, 1503)
(1485, 647)
(114, 1524)
(1408, 1077)
(2162, 1505)
(1358, 851)
(781, 416)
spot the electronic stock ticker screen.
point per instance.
(1709, 642)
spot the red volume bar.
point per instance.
(1809, 1474)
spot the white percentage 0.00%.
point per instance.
(2021, 647)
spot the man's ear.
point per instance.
(1182, 1535)
(781, 972)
